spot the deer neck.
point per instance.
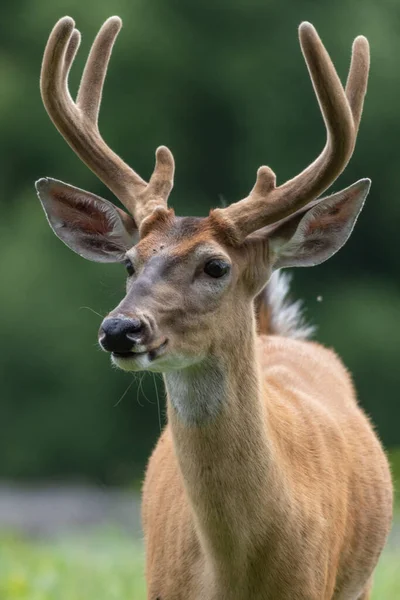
(218, 423)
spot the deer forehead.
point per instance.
(183, 239)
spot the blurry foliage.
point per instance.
(107, 566)
(103, 565)
(223, 83)
(394, 459)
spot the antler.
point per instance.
(341, 111)
(78, 121)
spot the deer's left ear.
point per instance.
(315, 234)
(91, 226)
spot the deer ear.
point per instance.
(91, 226)
(311, 237)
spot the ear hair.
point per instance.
(314, 234)
(91, 226)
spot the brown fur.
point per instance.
(284, 492)
(263, 314)
(287, 495)
(268, 482)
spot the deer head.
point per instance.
(192, 281)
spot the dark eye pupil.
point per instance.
(129, 267)
(216, 268)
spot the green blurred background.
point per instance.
(224, 85)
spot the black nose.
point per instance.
(119, 334)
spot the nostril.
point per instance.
(119, 335)
(135, 326)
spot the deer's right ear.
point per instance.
(91, 226)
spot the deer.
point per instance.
(268, 481)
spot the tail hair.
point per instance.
(277, 314)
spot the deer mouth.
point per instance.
(150, 353)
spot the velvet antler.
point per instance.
(78, 121)
(341, 111)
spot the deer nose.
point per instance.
(120, 334)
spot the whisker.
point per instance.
(125, 392)
(92, 310)
(142, 390)
(139, 388)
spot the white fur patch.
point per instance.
(196, 393)
(286, 317)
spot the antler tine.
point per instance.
(341, 112)
(160, 184)
(70, 53)
(91, 86)
(357, 80)
(77, 122)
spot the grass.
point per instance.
(106, 567)
(94, 567)
(110, 566)
(394, 459)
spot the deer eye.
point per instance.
(129, 267)
(216, 268)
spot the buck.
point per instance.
(268, 481)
